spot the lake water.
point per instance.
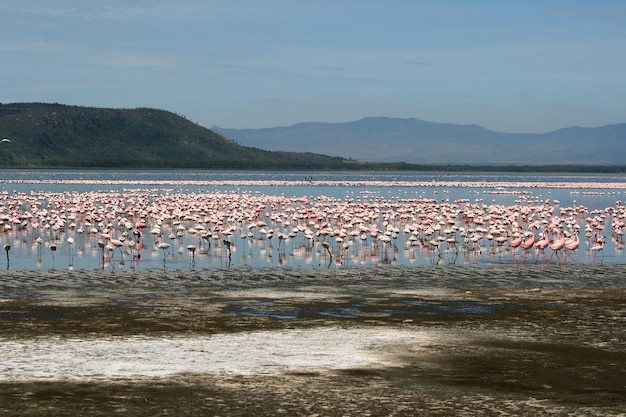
(62, 219)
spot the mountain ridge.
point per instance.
(42, 135)
(416, 141)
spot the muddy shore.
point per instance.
(490, 340)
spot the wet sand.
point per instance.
(489, 340)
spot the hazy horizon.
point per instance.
(525, 66)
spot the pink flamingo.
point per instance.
(515, 243)
(500, 240)
(165, 247)
(116, 244)
(528, 244)
(556, 247)
(572, 244)
(542, 244)
(598, 249)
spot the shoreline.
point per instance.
(525, 340)
(602, 275)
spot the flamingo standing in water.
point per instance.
(556, 246)
(39, 242)
(517, 241)
(7, 248)
(542, 244)
(572, 244)
(165, 247)
(227, 246)
(501, 239)
(528, 244)
(116, 243)
(326, 246)
(53, 248)
(70, 241)
(598, 249)
(192, 251)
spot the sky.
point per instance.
(509, 66)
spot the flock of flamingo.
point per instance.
(124, 229)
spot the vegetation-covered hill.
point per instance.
(61, 136)
(55, 135)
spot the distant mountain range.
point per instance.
(414, 141)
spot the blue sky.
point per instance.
(512, 66)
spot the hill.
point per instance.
(61, 136)
(414, 141)
(55, 135)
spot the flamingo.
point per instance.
(326, 247)
(70, 241)
(359, 218)
(39, 242)
(192, 250)
(515, 243)
(7, 248)
(227, 246)
(556, 247)
(501, 239)
(116, 243)
(528, 243)
(53, 248)
(598, 249)
(164, 246)
(572, 244)
(542, 244)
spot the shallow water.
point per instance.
(54, 192)
(461, 340)
(269, 328)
